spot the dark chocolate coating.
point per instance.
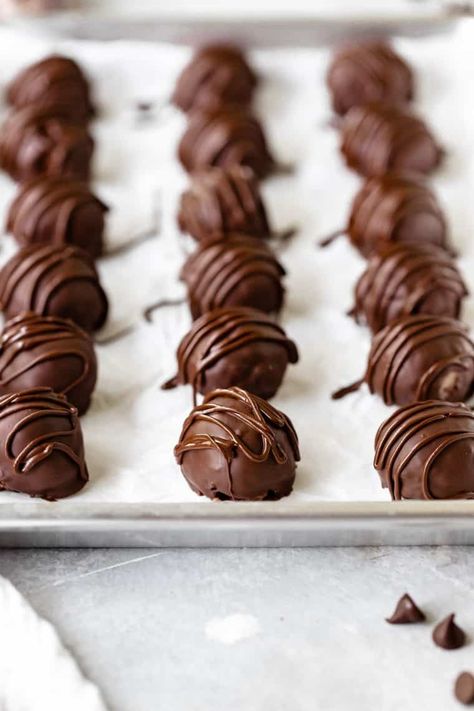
(426, 451)
(221, 201)
(58, 211)
(407, 279)
(378, 139)
(395, 208)
(227, 137)
(368, 72)
(242, 271)
(237, 346)
(48, 351)
(54, 281)
(215, 76)
(421, 357)
(36, 142)
(237, 446)
(41, 452)
(55, 83)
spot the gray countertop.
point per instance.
(254, 630)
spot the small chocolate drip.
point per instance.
(448, 635)
(285, 235)
(331, 237)
(162, 303)
(352, 388)
(170, 384)
(114, 337)
(352, 312)
(284, 168)
(406, 612)
(464, 688)
(131, 244)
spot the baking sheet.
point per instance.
(132, 427)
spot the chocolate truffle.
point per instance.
(42, 452)
(220, 201)
(227, 137)
(57, 211)
(237, 446)
(378, 139)
(242, 271)
(426, 451)
(368, 72)
(45, 350)
(237, 346)
(34, 141)
(407, 279)
(53, 281)
(216, 75)
(395, 208)
(55, 83)
(419, 357)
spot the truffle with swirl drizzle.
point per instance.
(222, 201)
(237, 446)
(229, 136)
(242, 271)
(419, 357)
(365, 72)
(48, 351)
(54, 281)
(217, 74)
(41, 452)
(56, 83)
(426, 451)
(238, 346)
(37, 141)
(57, 211)
(408, 279)
(394, 208)
(378, 139)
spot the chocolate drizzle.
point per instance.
(42, 450)
(238, 346)
(48, 351)
(58, 211)
(222, 201)
(55, 83)
(240, 272)
(377, 139)
(407, 279)
(426, 451)
(225, 138)
(54, 281)
(395, 208)
(216, 75)
(368, 72)
(237, 446)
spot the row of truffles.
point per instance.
(50, 291)
(234, 445)
(410, 294)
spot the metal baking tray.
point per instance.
(206, 524)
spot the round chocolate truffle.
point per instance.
(237, 346)
(395, 208)
(408, 279)
(420, 357)
(220, 201)
(237, 446)
(378, 139)
(242, 271)
(45, 350)
(58, 211)
(216, 75)
(34, 141)
(368, 72)
(54, 281)
(227, 137)
(55, 83)
(42, 452)
(426, 451)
